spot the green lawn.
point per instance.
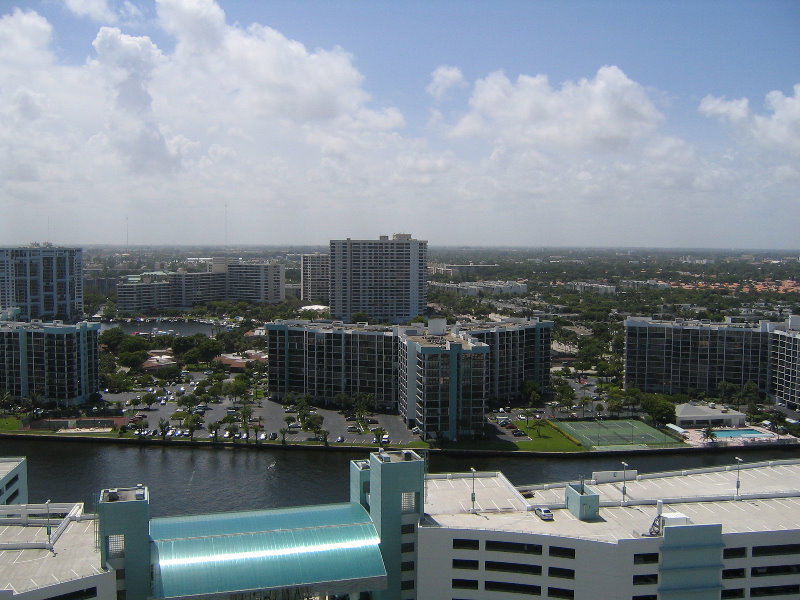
(9, 424)
(548, 439)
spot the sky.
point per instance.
(466, 123)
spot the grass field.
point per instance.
(623, 432)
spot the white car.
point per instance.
(543, 513)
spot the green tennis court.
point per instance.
(625, 432)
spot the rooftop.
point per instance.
(73, 555)
(9, 464)
(770, 500)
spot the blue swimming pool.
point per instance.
(731, 433)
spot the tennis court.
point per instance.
(624, 432)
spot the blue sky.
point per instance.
(470, 123)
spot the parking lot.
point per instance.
(268, 417)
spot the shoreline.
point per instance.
(224, 445)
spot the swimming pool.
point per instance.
(731, 433)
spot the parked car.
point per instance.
(543, 513)
(273, 436)
(339, 439)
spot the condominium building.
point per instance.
(520, 352)
(785, 364)
(315, 272)
(42, 282)
(384, 278)
(328, 359)
(226, 279)
(482, 288)
(54, 361)
(443, 383)
(678, 356)
(404, 534)
(438, 378)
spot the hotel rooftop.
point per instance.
(769, 499)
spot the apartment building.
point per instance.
(315, 271)
(327, 359)
(443, 383)
(785, 364)
(226, 279)
(677, 356)
(437, 378)
(714, 532)
(384, 278)
(43, 282)
(55, 361)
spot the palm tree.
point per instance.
(163, 424)
(709, 435)
(5, 400)
(283, 431)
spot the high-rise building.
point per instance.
(227, 279)
(56, 362)
(315, 271)
(785, 364)
(384, 278)
(438, 379)
(678, 356)
(42, 282)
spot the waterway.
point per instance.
(200, 480)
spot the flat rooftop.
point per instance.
(770, 500)
(9, 464)
(26, 569)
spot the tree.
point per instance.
(727, 391)
(112, 338)
(209, 349)
(192, 423)
(709, 435)
(163, 425)
(246, 412)
(149, 399)
(528, 413)
(283, 431)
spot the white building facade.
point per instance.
(384, 278)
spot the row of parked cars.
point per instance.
(506, 423)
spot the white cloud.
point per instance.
(291, 139)
(607, 112)
(443, 79)
(97, 10)
(779, 131)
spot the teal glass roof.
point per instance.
(256, 550)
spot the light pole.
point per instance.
(738, 481)
(624, 478)
(473, 488)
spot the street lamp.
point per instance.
(624, 473)
(473, 488)
(738, 481)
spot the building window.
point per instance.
(409, 502)
(506, 567)
(554, 592)
(83, 594)
(513, 588)
(733, 573)
(777, 550)
(465, 584)
(648, 558)
(791, 589)
(649, 579)
(120, 574)
(407, 565)
(513, 547)
(774, 570)
(409, 528)
(734, 553)
(116, 546)
(12, 481)
(460, 563)
(562, 573)
(734, 593)
(408, 584)
(645, 597)
(407, 547)
(560, 552)
(462, 544)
